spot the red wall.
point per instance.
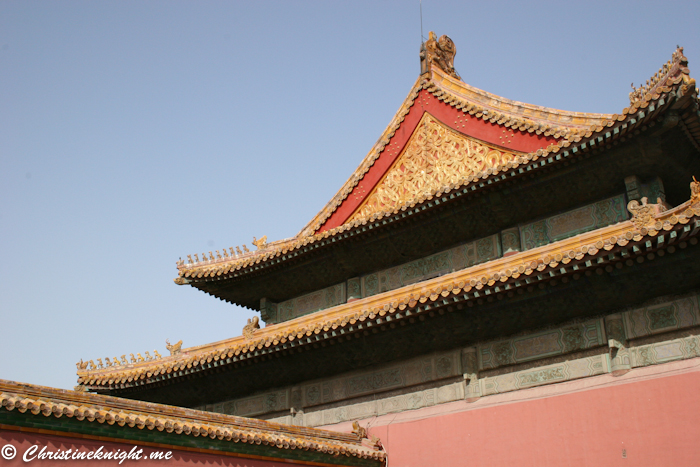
(652, 413)
(656, 420)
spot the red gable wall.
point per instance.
(457, 120)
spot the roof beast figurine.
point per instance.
(440, 52)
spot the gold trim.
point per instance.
(515, 114)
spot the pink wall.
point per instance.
(656, 420)
(24, 440)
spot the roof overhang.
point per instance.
(123, 420)
(589, 274)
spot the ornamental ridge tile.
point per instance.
(527, 117)
(648, 221)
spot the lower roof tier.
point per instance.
(27, 407)
(653, 254)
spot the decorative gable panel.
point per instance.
(435, 157)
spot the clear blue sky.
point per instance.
(134, 133)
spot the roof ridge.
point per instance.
(666, 76)
(528, 119)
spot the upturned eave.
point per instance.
(608, 245)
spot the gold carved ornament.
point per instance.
(359, 430)
(434, 158)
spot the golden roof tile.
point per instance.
(52, 402)
(644, 225)
(509, 113)
(575, 132)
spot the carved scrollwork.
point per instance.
(434, 158)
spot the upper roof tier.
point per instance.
(446, 136)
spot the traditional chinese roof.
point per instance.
(19, 403)
(647, 235)
(495, 142)
(479, 115)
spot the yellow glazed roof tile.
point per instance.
(52, 402)
(647, 222)
(571, 127)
